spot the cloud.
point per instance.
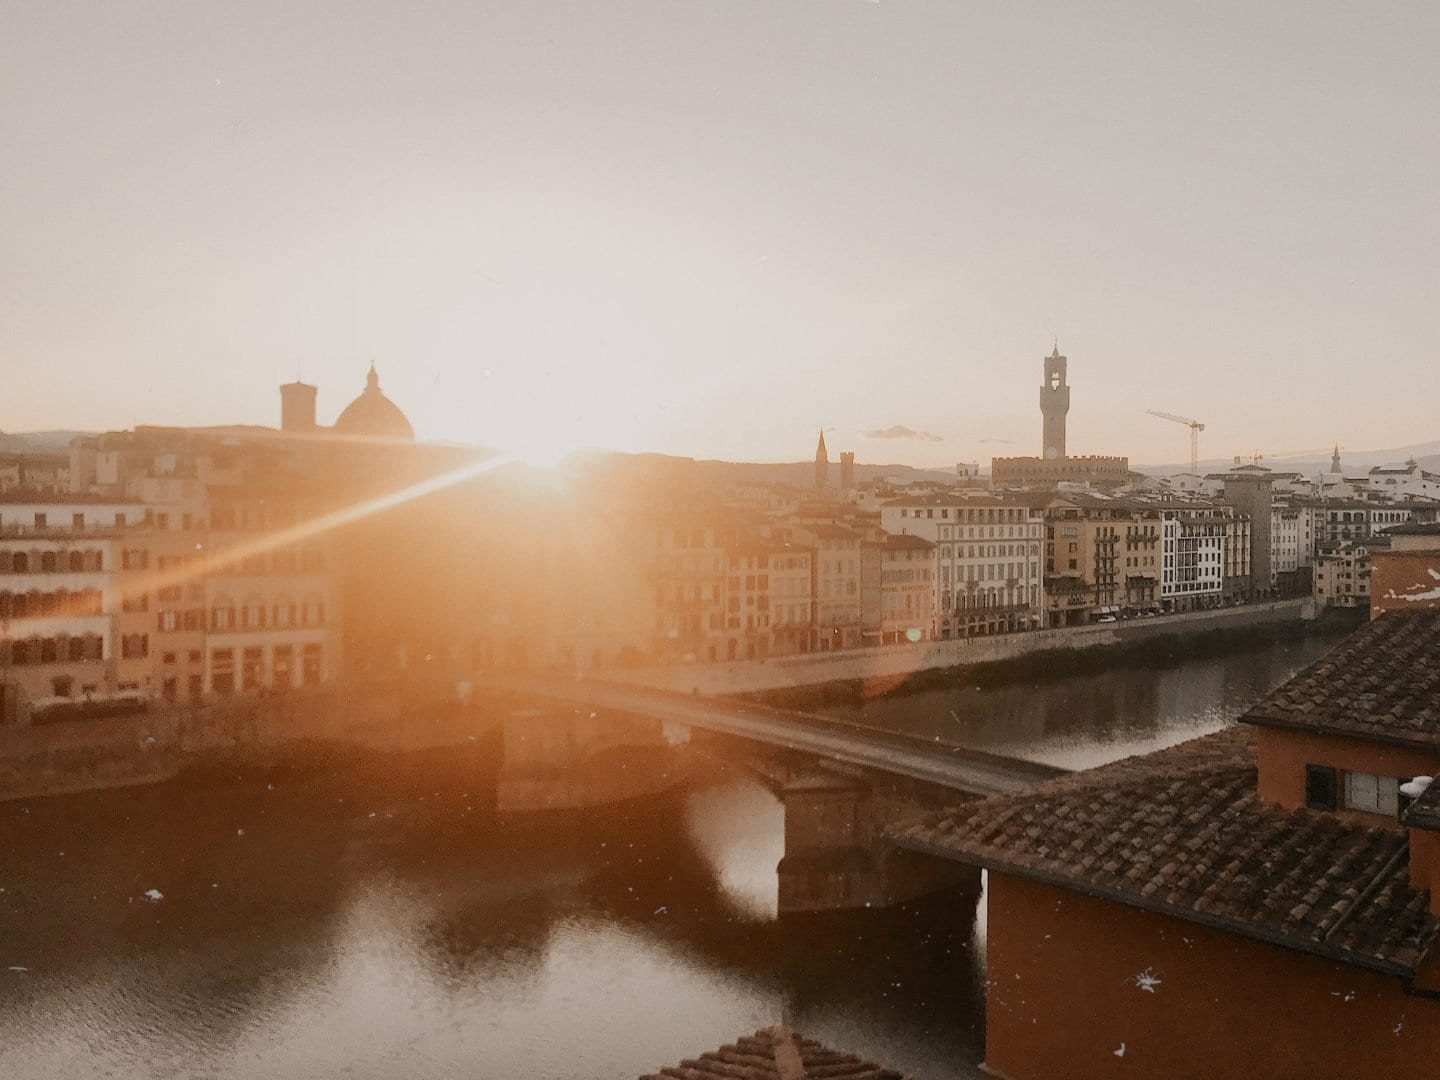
(900, 431)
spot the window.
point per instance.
(40, 521)
(1372, 794)
(284, 662)
(1319, 787)
(252, 669)
(311, 665)
(222, 671)
(253, 614)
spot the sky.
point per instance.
(712, 227)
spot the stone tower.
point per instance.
(847, 471)
(297, 407)
(822, 464)
(1054, 404)
(1335, 459)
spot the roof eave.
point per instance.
(1431, 744)
(999, 865)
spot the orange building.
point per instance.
(1264, 901)
(1406, 575)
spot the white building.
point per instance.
(1342, 576)
(1285, 540)
(1192, 571)
(1403, 481)
(989, 576)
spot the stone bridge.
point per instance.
(841, 783)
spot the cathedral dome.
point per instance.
(373, 415)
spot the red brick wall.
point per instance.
(1396, 574)
(1064, 998)
(1282, 756)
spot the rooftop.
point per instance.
(1381, 684)
(776, 1053)
(901, 541)
(1182, 832)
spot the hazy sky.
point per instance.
(710, 226)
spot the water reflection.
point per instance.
(1085, 720)
(368, 916)
(354, 918)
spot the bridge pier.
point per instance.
(573, 759)
(835, 857)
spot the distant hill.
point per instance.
(799, 474)
(1427, 454)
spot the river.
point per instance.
(367, 917)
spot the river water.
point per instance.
(370, 917)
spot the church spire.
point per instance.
(372, 379)
(1335, 459)
(822, 464)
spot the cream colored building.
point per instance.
(1342, 575)
(74, 611)
(907, 590)
(835, 583)
(988, 562)
(1102, 558)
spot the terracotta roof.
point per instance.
(1382, 684)
(776, 1053)
(1414, 528)
(1182, 832)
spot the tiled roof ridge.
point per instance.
(775, 1053)
(1183, 832)
(1382, 683)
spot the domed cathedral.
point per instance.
(372, 415)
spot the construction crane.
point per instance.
(1195, 428)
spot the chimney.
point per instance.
(297, 407)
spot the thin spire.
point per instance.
(372, 380)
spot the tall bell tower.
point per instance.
(1054, 404)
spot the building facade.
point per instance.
(989, 577)
(1192, 572)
